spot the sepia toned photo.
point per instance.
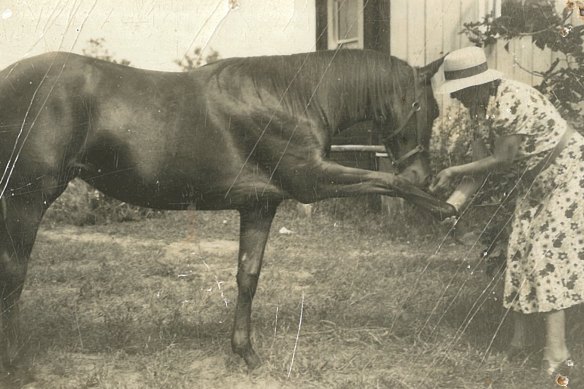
(406, 176)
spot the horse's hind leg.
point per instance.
(255, 226)
(20, 217)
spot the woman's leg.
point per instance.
(520, 332)
(555, 351)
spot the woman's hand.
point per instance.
(443, 179)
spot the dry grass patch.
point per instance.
(150, 304)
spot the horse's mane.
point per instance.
(363, 80)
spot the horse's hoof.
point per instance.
(252, 360)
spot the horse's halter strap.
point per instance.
(415, 109)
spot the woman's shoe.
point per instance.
(564, 374)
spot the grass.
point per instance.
(149, 304)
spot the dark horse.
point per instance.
(239, 134)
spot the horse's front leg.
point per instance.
(255, 223)
(325, 179)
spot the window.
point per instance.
(345, 21)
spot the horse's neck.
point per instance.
(341, 110)
(360, 93)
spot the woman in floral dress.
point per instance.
(545, 255)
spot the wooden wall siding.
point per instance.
(522, 56)
(422, 31)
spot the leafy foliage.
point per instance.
(197, 59)
(563, 82)
(97, 50)
(82, 205)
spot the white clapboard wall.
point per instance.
(424, 30)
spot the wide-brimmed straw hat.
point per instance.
(464, 68)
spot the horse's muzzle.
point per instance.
(418, 173)
(416, 177)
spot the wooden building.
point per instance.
(420, 31)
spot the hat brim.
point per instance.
(450, 86)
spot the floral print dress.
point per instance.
(545, 255)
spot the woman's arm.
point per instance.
(506, 148)
(504, 154)
(469, 184)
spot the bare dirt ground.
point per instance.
(150, 305)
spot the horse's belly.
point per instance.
(175, 191)
(198, 168)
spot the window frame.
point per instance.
(332, 21)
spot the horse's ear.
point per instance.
(427, 72)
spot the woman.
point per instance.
(545, 254)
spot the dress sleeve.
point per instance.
(509, 114)
(519, 109)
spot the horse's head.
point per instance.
(413, 109)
